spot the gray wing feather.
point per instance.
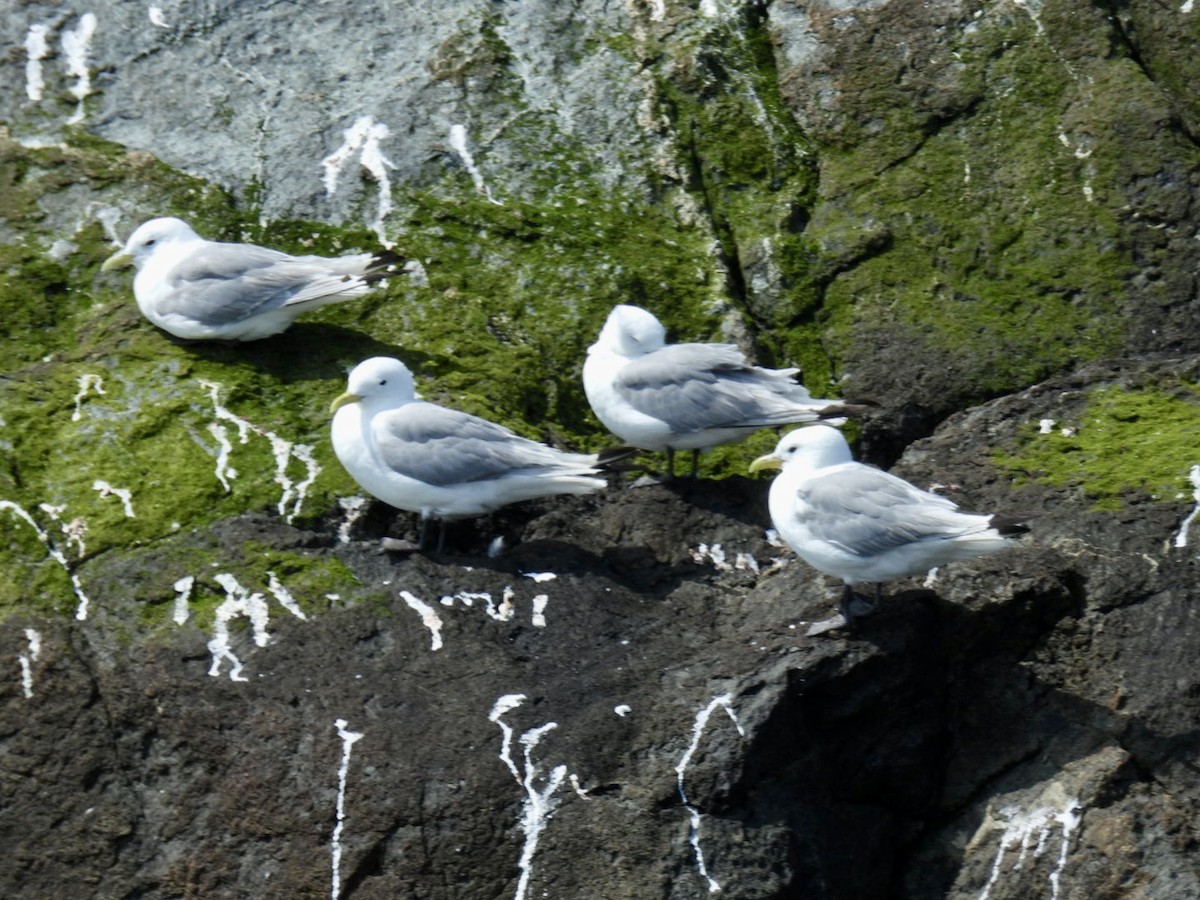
(443, 446)
(224, 283)
(867, 511)
(693, 387)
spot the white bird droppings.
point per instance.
(335, 849)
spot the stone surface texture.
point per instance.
(978, 218)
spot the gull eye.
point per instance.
(382, 383)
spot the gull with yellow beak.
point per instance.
(208, 290)
(438, 462)
(862, 524)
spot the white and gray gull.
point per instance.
(659, 396)
(208, 290)
(862, 524)
(438, 462)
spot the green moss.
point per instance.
(930, 236)
(1124, 441)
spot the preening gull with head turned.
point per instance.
(657, 396)
(439, 462)
(862, 524)
(208, 290)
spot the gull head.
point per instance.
(813, 447)
(146, 239)
(380, 381)
(631, 331)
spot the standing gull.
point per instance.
(439, 462)
(862, 524)
(657, 396)
(206, 290)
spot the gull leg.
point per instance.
(670, 464)
(855, 606)
(852, 608)
(695, 464)
(847, 605)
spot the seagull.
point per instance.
(442, 463)
(862, 524)
(657, 396)
(206, 290)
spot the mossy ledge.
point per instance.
(1125, 441)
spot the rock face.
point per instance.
(980, 218)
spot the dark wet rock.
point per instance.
(979, 219)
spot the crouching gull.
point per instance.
(862, 524)
(439, 462)
(207, 290)
(656, 396)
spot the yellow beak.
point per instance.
(770, 461)
(118, 260)
(344, 400)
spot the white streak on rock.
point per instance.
(539, 609)
(283, 450)
(623, 710)
(578, 788)
(723, 701)
(125, 496)
(504, 705)
(1020, 830)
(539, 805)
(506, 610)
(54, 553)
(156, 17)
(27, 659)
(496, 547)
(713, 554)
(539, 577)
(458, 143)
(429, 618)
(224, 470)
(75, 44)
(354, 507)
(335, 845)
(87, 382)
(1046, 426)
(238, 602)
(183, 592)
(363, 138)
(284, 596)
(1181, 538)
(73, 531)
(1187, 7)
(36, 49)
(745, 561)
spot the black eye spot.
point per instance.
(382, 383)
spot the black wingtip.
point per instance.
(1011, 526)
(845, 410)
(610, 457)
(384, 264)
